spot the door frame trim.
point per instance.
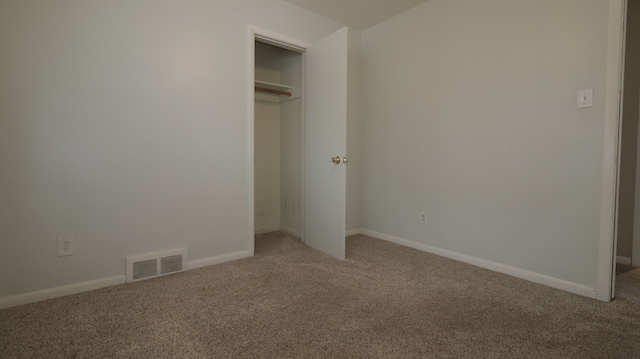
(610, 162)
(285, 42)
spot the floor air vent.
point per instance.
(156, 264)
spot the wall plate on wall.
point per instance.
(585, 98)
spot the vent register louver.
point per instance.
(156, 264)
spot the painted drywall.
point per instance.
(267, 167)
(629, 134)
(358, 14)
(291, 167)
(291, 144)
(471, 115)
(124, 124)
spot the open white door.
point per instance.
(325, 138)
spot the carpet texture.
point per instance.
(291, 301)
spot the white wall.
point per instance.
(471, 115)
(291, 145)
(267, 166)
(124, 124)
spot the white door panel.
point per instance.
(326, 137)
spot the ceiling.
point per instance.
(358, 14)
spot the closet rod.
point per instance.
(273, 91)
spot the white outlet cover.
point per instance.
(585, 98)
(65, 246)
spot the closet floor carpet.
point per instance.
(291, 301)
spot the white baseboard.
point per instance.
(352, 232)
(496, 267)
(219, 259)
(290, 231)
(623, 260)
(266, 230)
(50, 293)
(40, 295)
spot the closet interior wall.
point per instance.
(278, 144)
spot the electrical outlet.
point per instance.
(423, 218)
(65, 246)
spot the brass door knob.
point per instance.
(335, 160)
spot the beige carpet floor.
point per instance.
(290, 301)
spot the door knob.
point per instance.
(345, 160)
(335, 160)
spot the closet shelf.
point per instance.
(273, 88)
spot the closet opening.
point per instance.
(297, 125)
(278, 142)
